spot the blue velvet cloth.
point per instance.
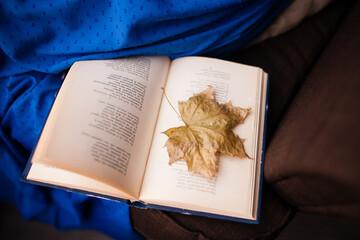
(39, 40)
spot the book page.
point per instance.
(232, 191)
(103, 120)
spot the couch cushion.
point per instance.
(313, 161)
(290, 57)
(156, 224)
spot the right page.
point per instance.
(235, 189)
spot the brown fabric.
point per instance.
(313, 160)
(290, 57)
(155, 224)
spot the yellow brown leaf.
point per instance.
(207, 133)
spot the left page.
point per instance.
(98, 134)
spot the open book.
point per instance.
(103, 136)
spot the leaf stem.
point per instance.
(163, 89)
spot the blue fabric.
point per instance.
(50, 36)
(39, 40)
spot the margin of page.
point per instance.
(68, 189)
(266, 79)
(203, 214)
(153, 133)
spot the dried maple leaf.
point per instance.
(207, 133)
